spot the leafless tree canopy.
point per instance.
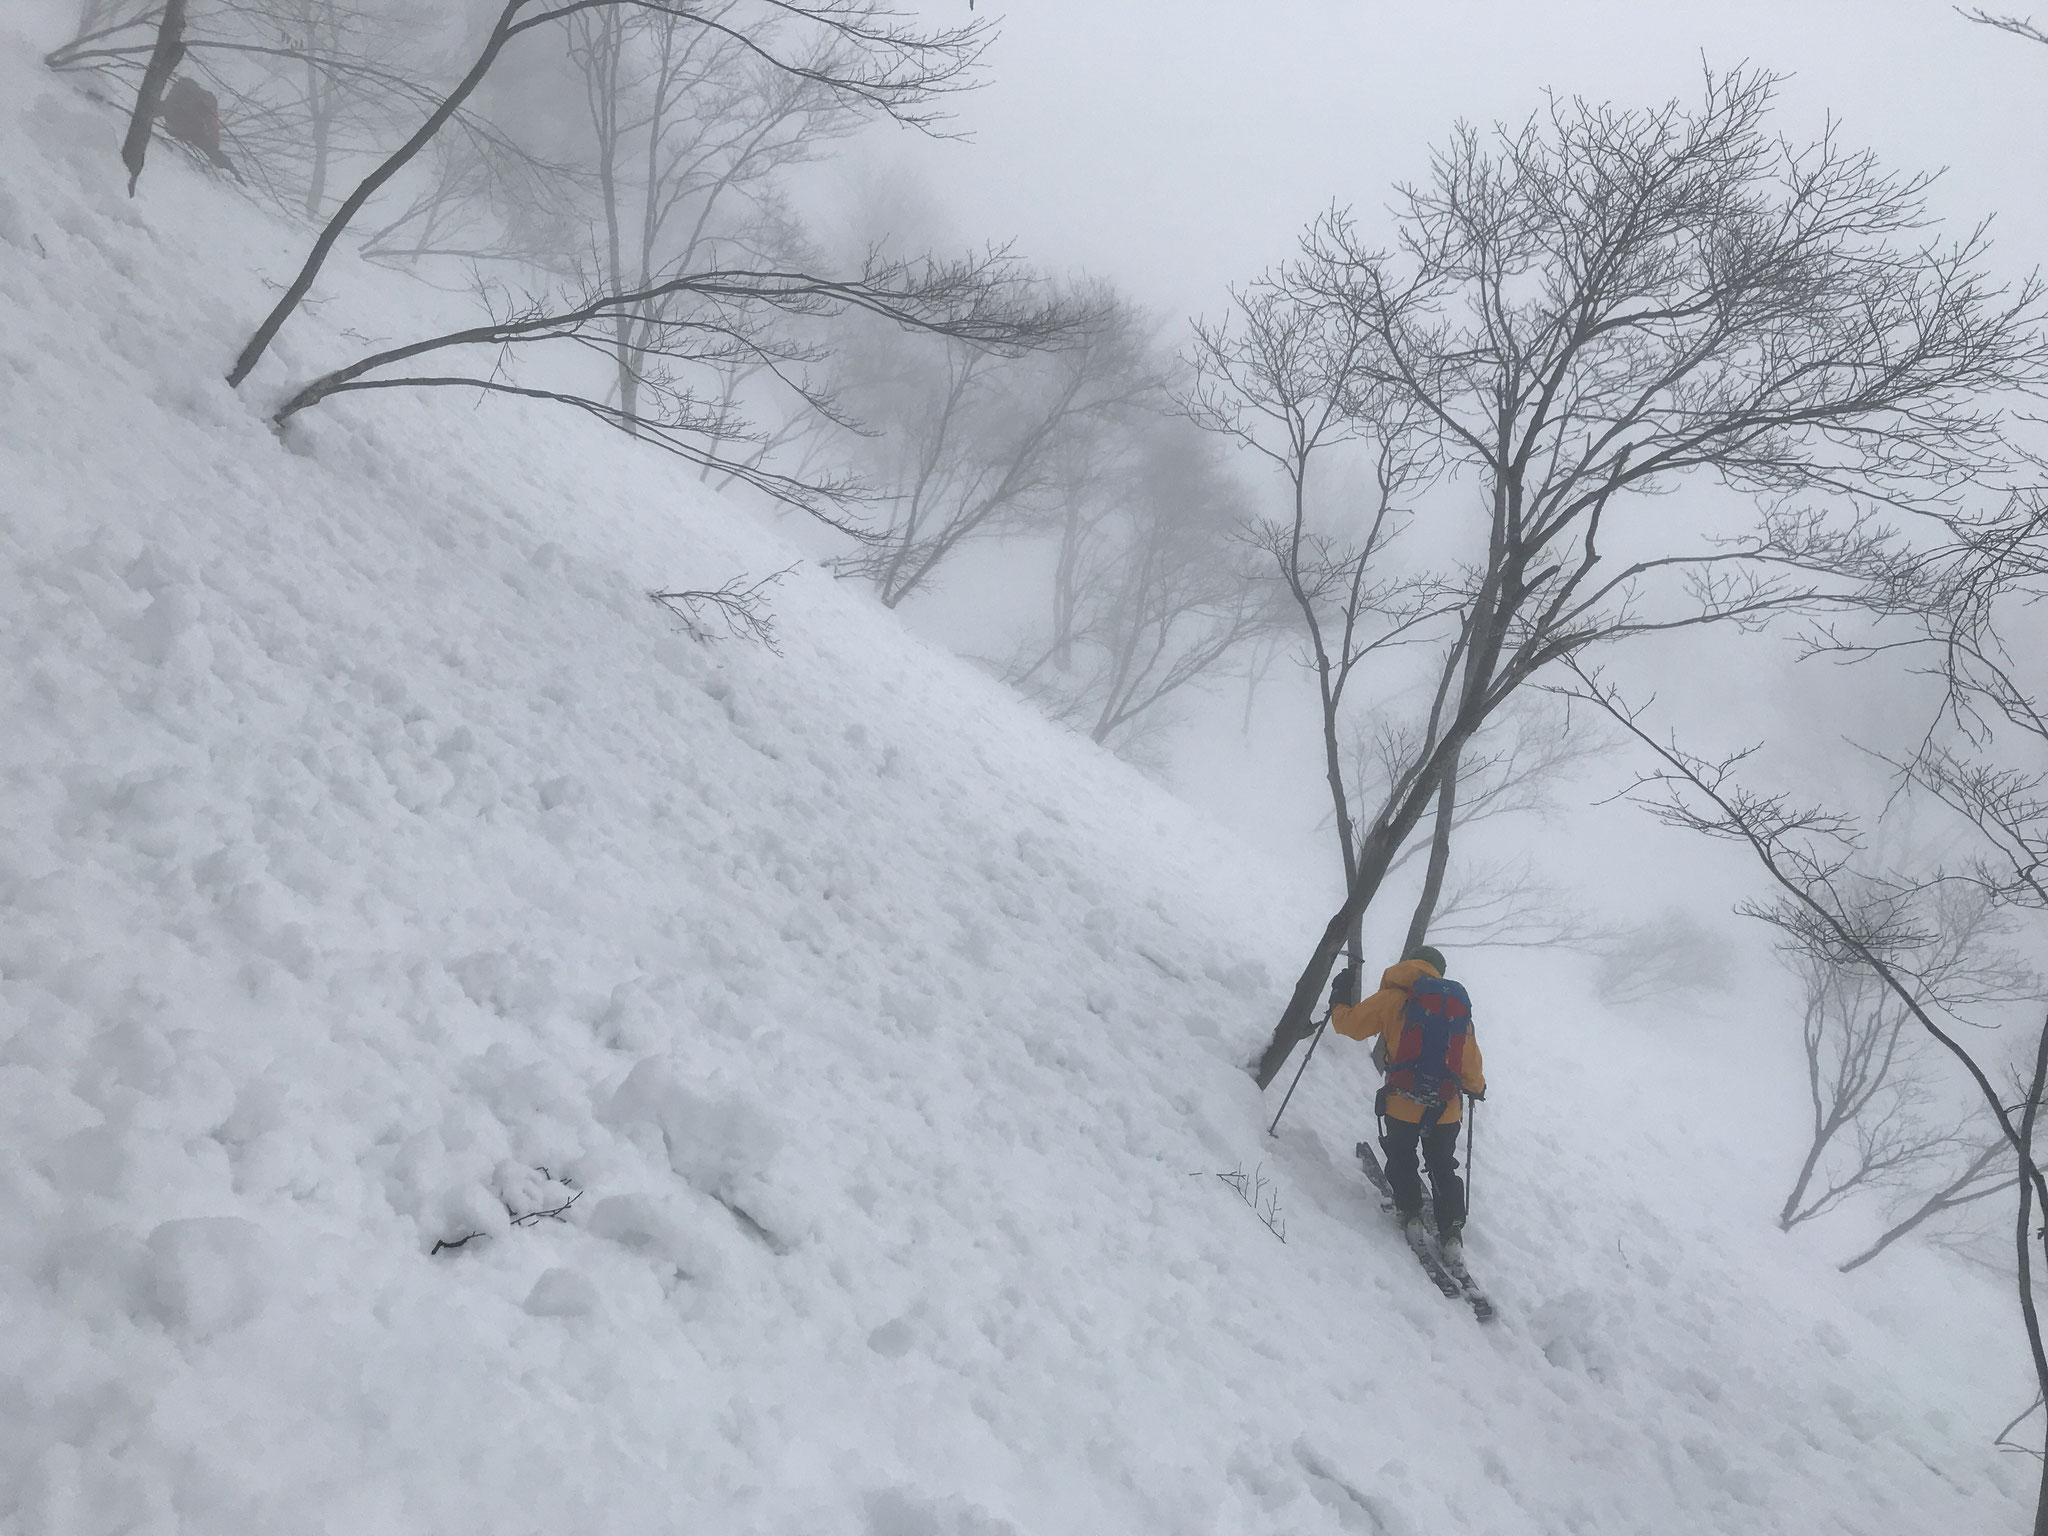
(659, 236)
(1878, 1121)
(691, 132)
(1603, 305)
(968, 444)
(1514, 767)
(705, 298)
(1875, 924)
(1072, 454)
(1155, 587)
(1666, 961)
(729, 323)
(863, 52)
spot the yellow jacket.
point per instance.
(1380, 1015)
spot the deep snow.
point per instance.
(381, 864)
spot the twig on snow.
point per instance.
(1258, 1192)
(739, 605)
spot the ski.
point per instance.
(1452, 1283)
(1480, 1303)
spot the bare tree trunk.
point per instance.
(1331, 676)
(1439, 861)
(888, 587)
(1788, 1217)
(2024, 1237)
(1469, 676)
(170, 49)
(1340, 802)
(330, 236)
(629, 379)
(322, 90)
(1380, 846)
(1933, 1206)
(1254, 675)
(320, 98)
(634, 323)
(1375, 855)
(1066, 580)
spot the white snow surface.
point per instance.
(381, 866)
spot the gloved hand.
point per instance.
(1344, 987)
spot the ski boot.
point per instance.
(1451, 1247)
(1416, 1231)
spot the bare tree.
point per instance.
(692, 130)
(1154, 588)
(1983, 1167)
(320, 28)
(1092, 474)
(165, 52)
(1512, 767)
(1180, 609)
(2018, 26)
(882, 62)
(1864, 1077)
(970, 444)
(1806, 851)
(1854, 1035)
(300, 87)
(732, 321)
(1606, 304)
(1286, 375)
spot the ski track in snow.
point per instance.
(381, 865)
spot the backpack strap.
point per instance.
(1433, 1105)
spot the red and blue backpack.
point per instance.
(1436, 1026)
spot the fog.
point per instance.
(848, 623)
(1180, 149)
(1045, 507)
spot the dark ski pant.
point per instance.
(1439, 1147)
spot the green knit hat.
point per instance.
(1429, 956)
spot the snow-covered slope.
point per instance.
(381, 866)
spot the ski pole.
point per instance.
(1321, 1025)
(1471, 1137)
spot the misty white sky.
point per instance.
(1179, 146)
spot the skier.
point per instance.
(192, 113)
(1424, 1024)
